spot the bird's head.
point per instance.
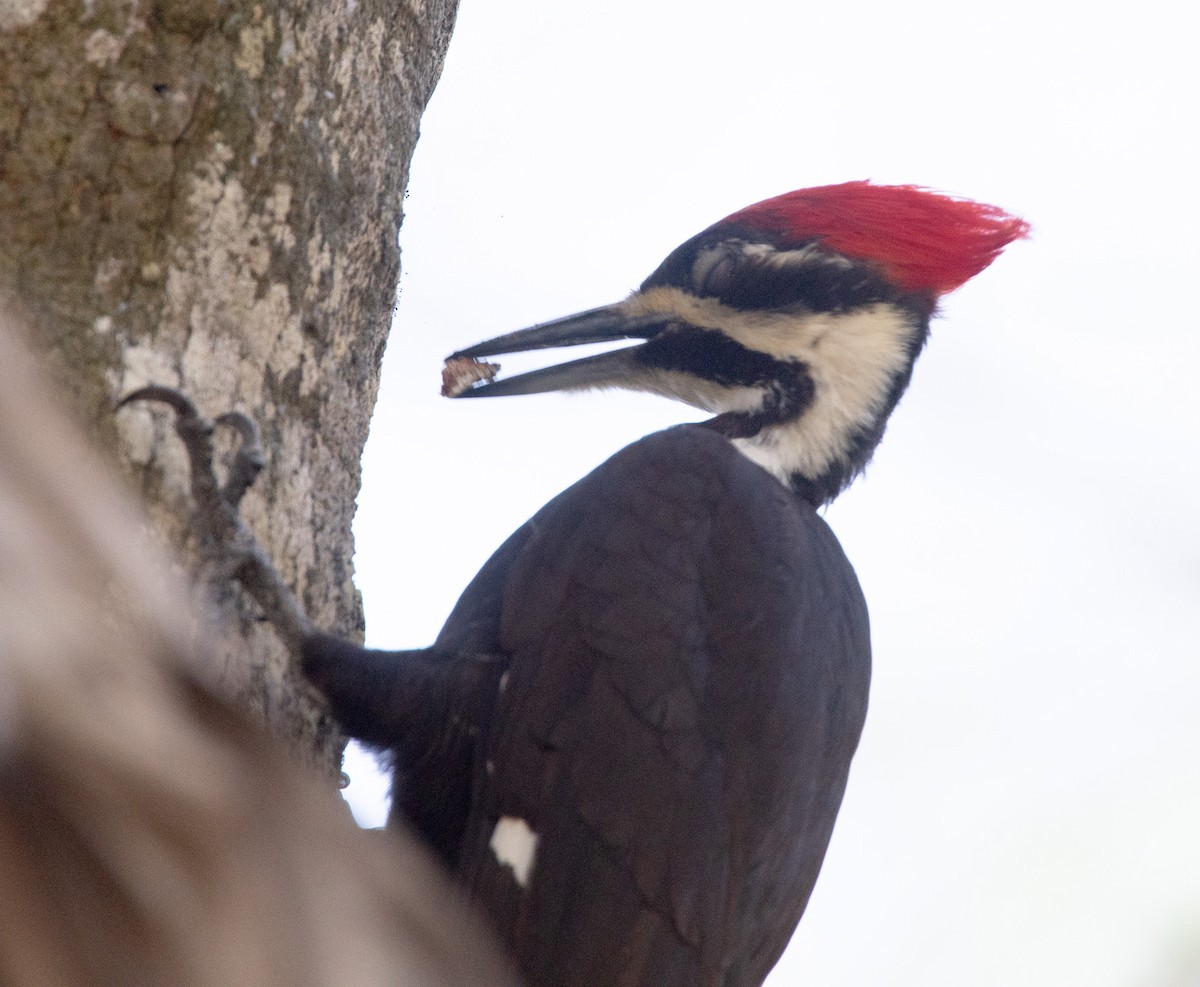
(796, 321)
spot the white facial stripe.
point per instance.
(803, 257)
(726, 254)
(853, 358)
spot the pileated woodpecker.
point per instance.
(631, 738)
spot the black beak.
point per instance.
(598, 325)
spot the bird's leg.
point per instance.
(386, 698)
(230, 549)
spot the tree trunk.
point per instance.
(207, 194)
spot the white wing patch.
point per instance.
(514, 845)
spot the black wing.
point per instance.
(688, 671)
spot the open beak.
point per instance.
(597, 325)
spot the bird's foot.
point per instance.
(230, 548)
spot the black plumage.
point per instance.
(664, 673)
(655, 687)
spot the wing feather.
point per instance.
(689, 662)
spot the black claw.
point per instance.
(217, 505)
(167, 395)
(250, 458)
(196, 433)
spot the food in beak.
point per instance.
(461, 373)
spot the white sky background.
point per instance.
(1024, 810)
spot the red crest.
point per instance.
(923, 240)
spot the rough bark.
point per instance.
(150, 834)
(207, 194)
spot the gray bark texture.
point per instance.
(150, 833)
(207, 194)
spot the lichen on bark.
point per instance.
(207, 194)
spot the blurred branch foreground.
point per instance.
(150, 833)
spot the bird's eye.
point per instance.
(713, 269)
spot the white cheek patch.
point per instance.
(514, 845)
(853, 358)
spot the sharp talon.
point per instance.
(179, 401)
(217, 507)
(249, 460)
(195, 431)
(244, 425)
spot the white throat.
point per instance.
(853, 358)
